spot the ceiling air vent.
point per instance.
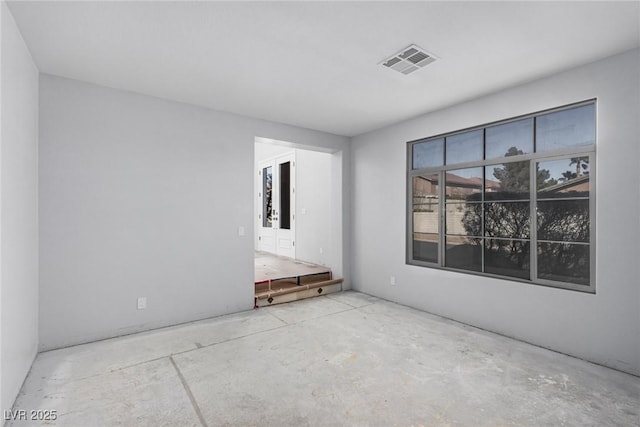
(409, 59)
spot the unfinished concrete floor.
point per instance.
(341, 359)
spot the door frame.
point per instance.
(275, 239)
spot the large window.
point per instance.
(513, 199)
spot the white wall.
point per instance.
(313, 194)
(315, 207)
(141, 196)
(604, 327)
(19, 210)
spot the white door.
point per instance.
(276, 201)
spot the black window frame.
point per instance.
(586, 150)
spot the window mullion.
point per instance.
(441, 238)
(533, 224)
(409, 229)
(482, 206)
(442, 194)
(592, 221)
(533, 208)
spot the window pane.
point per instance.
(267, 197)
(566, 220)
(464, 219)
(509, 139)
(464, 147)
(464, 184)
(507, 258)
(425, 204)
(428, 154)
(563, 178)
(285, 196)
(564, 262)
(425, 218)
(425, 187)
(464, 253)
(508, 181)
(507, 219)
(566, 128)
(425, 247)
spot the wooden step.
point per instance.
(291, 282)
(298, 292)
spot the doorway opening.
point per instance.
(298, 221)
(276, 205)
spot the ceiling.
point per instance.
(316, 64)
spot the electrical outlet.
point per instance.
(142, 303)
(321, 251)
(392, 280)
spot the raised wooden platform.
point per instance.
(279, 280)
